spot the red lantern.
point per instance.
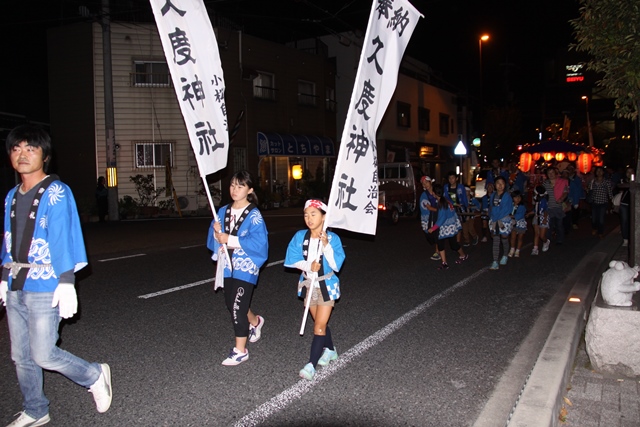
(547, 156)
(525, 162)
(571, 156)
(559, 157)
(536, 157)
(584, 162)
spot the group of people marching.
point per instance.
(44, 248)
(449, 212)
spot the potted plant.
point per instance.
(147, 194)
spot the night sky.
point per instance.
(524, 36)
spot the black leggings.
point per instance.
(453, 244)
(237, 296)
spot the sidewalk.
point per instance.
(563, 389)
(596, 400)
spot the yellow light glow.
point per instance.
(484, 37)
(574, 299)
(296, 171)
(112, 177)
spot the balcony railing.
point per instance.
(307, 99)
(264, 92)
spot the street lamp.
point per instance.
(586, 99)
(483, 38)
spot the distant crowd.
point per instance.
(552, 202)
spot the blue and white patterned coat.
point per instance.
(57, 238)
(295, 254)
(448, 222)
(500, 215)
(253, 251)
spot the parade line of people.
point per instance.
(554, 203)
(44, 248)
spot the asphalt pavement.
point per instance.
(561, 389)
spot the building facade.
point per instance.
(277, 112)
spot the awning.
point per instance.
(289, 145)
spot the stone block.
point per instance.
(612, 339)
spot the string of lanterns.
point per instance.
(584, 161)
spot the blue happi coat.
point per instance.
(500, 215)
(57, 241)
(254, 249)
(448, 222)
(295, 254)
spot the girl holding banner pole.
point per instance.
(319, 255)
(245, 234)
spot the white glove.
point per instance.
(4, 287)
(65, 296)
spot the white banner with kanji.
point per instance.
(191, 50)
(353, 201)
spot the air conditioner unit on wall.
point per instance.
(188, 203)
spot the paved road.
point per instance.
(419, 347)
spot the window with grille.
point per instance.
(403, 111)
(153, 154)
(264, 86)
(306, 93)
(151, 74)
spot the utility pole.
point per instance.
(109, 122)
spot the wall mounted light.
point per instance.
(296, 171)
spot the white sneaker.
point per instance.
(545, 245)
(236, 357)
(25, 420)
(255, 331)
(101, 389)
(511, 252)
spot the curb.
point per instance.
(542, 397)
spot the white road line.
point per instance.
(121, 257)
(192, 246)
(177, 288)
(281, 401)
(191, 285)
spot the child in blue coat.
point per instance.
(317, 252)
(500, 221)
(520, 228)
(540, 219)
(447, 225)
(245, 235)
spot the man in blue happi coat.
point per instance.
(43, 248)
